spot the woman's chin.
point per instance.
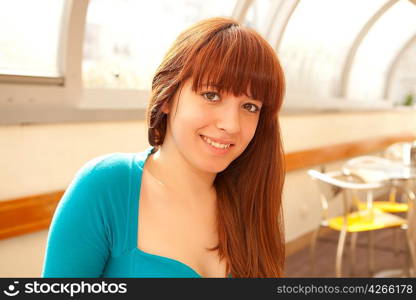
(211, 167)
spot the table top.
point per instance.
(376, 169)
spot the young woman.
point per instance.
(205, 199)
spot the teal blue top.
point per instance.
(94, 229)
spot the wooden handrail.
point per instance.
(322, 155)
(28, 214)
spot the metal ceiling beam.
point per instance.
(240, 10)
(281, 19)
(346, 70)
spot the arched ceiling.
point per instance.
(338, 49)
(352, 51)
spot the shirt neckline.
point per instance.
(136, 198)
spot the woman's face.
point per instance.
(209, 129)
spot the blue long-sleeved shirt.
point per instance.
(95, 226)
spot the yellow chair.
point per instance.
(352, 219)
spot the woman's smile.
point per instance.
(215, 146)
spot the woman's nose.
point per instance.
(228, 117)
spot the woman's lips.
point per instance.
(219, 140)
(214, 149)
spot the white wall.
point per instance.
(42, 158)
(38, 159)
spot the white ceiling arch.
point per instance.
(369, 70)
(346, 70)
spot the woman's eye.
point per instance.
(211, 96)
(251, 107)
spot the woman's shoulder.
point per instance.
(107, 176)
(113, 165)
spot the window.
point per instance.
(376, 53)
(30, 36)
(126, 40)
(316, 41)
(403, 81)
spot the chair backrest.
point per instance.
(367, 160)
(344, 181)
(396, 151)
(327, 183)
(370, 168)
(336, 183)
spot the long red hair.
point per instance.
(221, 52)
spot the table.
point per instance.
(394, 173)
(376, 169)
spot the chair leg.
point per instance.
(371, 253)
(412, 256)
(340, 250)
(396, 236)
(410, 234)
(315, 236)
(392, 198)
(353, 252)
(407, 264)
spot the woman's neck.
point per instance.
(175, 174)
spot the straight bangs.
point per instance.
(239, 61)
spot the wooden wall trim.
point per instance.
(28, 214)
(33, 213)
(312, 157)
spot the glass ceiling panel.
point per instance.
(316, 41)
(404, 76)
(257, 16)
(126, 40)
(29, 37)
(378, 49)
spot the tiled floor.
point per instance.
(298, 264)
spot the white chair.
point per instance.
(396, 151)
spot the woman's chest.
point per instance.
(170, 229)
